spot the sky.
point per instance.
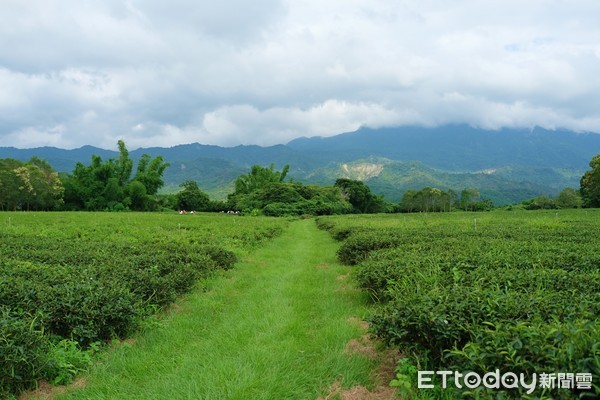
(158, 73)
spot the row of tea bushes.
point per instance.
(69, 281)
(518, 293)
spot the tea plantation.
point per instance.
(70, 282)
(510, 291)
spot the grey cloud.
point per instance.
(230, 72)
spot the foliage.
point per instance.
(528, 348)
(567, 198)
(65, 359)
(33, 185)
(590, 184)
(431, 199)
(150, 171)
(540, 203)
(221, 257)
(359, 245)
(23, 348)
(264, 191)
(109, 186)
(70, 280)
(192, 198)
(406, 377)
(466, 292)
(258, 178)
(360, 196)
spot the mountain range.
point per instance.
(506, 166)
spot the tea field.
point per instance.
(72, 281)
(511, 291)
(284, 323)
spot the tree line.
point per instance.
(113, 185)
(31, 185)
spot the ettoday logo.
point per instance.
(509, 380)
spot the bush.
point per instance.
(358, 246)
(89, 311)
(65, 360)
(222, 258)
(23, 350)
(516, 295)
(531, 348)
(71, 281)
(73, 303)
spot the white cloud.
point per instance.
(37, 137)
(248, 125)
(265, 72)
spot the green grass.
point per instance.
(275, 327)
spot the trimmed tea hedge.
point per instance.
(71, 280)
(515, 292)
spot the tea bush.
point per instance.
(71, 280)
(515, 292)
(530, 348)
(358, 245)
(23, 348)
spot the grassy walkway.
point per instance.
(275, 327)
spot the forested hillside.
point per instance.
(507, 166)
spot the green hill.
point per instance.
(507, 166)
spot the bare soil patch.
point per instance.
(336, 392)
(369, 347)
(46, 391)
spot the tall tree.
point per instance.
(409, 201)
(568, 198)
(123, 165)
(590, 184)
(33, 185)
(258, 178)
(150, 171)
(108, 185)
(9, 184)
(192, 198)
(360, 196)
(137, 196)
(468, 198)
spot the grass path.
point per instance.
(275, 327)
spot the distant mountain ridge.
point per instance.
(507, 166)
(459, 147)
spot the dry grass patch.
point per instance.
(367, 346)
(361, 323)
(46, 391)
(336, 392)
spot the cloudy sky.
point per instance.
(161, 73)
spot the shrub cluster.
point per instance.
(521, 297)
(64, 292)
(23, 347)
